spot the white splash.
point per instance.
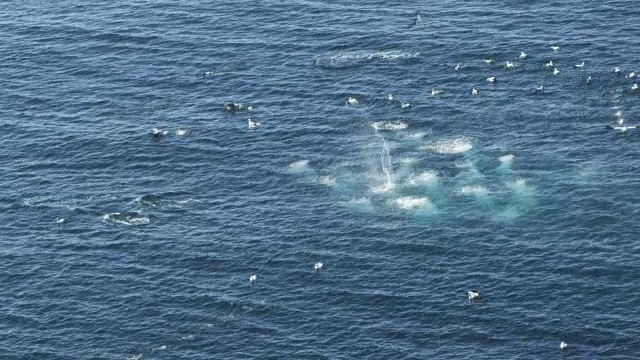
(299, 167)
(423, 179)
(181, 132)
(327, 180)
(506, 159)
(450, 146)
(477, 190)
(385, 160)
(393, 126)
(410, 202)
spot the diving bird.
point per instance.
(489, 61)
(473, 295)
(390, 97)
(510, 65)
(634, 87)
(539, 89)
(318, 266)
(60, 222)
(405, 105)
(632, 75)
(458, 66)
(579, 65)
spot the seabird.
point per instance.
(617, 70)
(491, 79)
(620, 121)
(579, 65)
(523, 55)
(157, 133)
(352, 101)
(474, 91)
(589, 80)
(390, 97)
(632, 75)
(556, 71)
(318, 266)
(555, 48)
(563, 345)
(405, 105)
(60, 221)
(489, 61)
(618, 113)
(549, 64)
(458, 66)
(253, 278)
(435, 92)
(540, 89)
(473, 295)
(207, 73)
(510, 64)
(252, 124)
(634, 87)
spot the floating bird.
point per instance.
(405, 105)
(60, 221)
(253, 278)
(618, 113)
(252, 124)
(491, 79)
(474, 91)
(632, 75)
(207, 73)
(523, 55)
(157, 134)
(579, 65)
(549, 64)
(473, 295)
(458, 66)
(563, 345)
(556, 71)
(435, 92)
(318, 266)
(489, 61)
(555, 48)
(352, 101)
(617, 70)
(589, 80)
(634, 87)
(390, 97)
(510, 65)
(620, 121)
(539, 89)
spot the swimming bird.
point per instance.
(510, 65)
(632, 75)
(253, 278)
(579, 65)
(318, 266)
(207, 73)
(620, 121)
(60, 221)
(563, 345)
(589, 80)
(618, 113)
(539, 89)
(634, 87)
(489, 61)
(523, 55)
(555, 48)
(492, 79)
(617, 70)
(405, 105)
(157, 133)
(474, 91)
(435, 92)
(549, 64)
(458, 66)
(252, 124)
(473, 295)
(556, 71)
(352, 101)
(390, 97)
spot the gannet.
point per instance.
(523, 55)
(556, 71)
(491, 79)
(555, 48)
(253, 278)
(434, 92)
(352, 101)
(318, 266)
(579, 65)
(473, 295)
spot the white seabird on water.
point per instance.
(352, 101)
(632, 75)
(252, 124)
(390, 97)
(60, 221)
(435, 92)
(549, 64)
(510, 65)
(579, 65)
(617, 70)
(474, 91)
(589, 80)
(473, 295)
(491, 79)
(318, 266)
(523, 55)
(540, 89)
(253, 278)
(634, 87)
(405, 105)
(555, 48)
(563, 345)
(489, 61)
(458, 66)
(556, 71)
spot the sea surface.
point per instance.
(118, 245)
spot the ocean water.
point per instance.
(522, 196)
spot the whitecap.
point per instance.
(181, 132)
(327, 180)
(410, 202)
(299, 167)
(450, 146)
(477, 190)
(392, 126)
(423, 179)
(362, 203)
(506, 159)
(127, 218)
(356, 58)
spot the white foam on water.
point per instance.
(385, 160)
(327, 180)
(426, 178)
(391, 126)
(411, 202)
(299, 167)
(127, 218)
(477, 190)
(362, 203)
(450, 146)
(181, 132)
(506, 159)
(417, 135)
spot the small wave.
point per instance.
(299, 167)
(450, 146)
(410, 202)
(362, 203)
(506, 159)
(423, 179)
(127, 218)
(357, 58)
(149, 200)
(392, 126)
(327, 180)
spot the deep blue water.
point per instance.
(160, 237)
